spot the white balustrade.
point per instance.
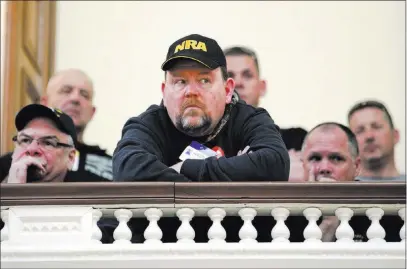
(375, 233)
(122, 234)
(280, 232)
(4, 231)
(402, 214)
(312, 233)
(185, 232)
(248, 232)
(153, 233)
(216, 233)
(96, 232)
(344, 233)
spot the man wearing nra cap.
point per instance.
(199, 105)
(44, 146)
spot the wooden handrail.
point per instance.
(201, 193)
(278, 192)
(86, 193)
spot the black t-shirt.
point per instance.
(92, 164)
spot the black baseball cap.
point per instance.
(201, 49)
(33, 111)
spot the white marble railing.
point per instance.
(67, 234)
(33, 234)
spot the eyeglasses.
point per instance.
(44, 142)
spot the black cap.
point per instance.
(201, 49)
(33, 111)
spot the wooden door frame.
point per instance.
(11, 96)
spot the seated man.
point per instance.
(377, 138)
(45, 152)
(244, 67)
(44, 146)
(199, 104)
(330, 153)
(72, 92)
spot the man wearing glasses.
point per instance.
(44, 146)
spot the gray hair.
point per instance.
(70, 141)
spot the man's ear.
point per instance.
(71, 158)
(229, 88)
(358, 167)
(93, 111)
(163, 92)
(162, 87)
(396, 136)
(263, 88)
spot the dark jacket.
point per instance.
(150, 144)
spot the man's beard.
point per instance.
(199, 129)
(375, 163)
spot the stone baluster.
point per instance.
(122, 234)
(4, 231)
(344, 233)
(312, 233)
(280, 231)
(153, 233)
(96, 232)
(185, 232)
(375, 233)
(216, 233)
(248, 232)
(402, 214)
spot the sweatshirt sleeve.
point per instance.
(138, 156)
(268, 161)
(5, 164)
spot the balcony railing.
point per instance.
(200, 225)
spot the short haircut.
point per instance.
(370, 104)
(352, 141)
(70, 141)
(224, 71)
(239, 50)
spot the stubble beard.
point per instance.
(201, 128)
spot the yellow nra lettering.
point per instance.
(190, 44)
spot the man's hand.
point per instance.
(296, 166)
(177, 166)
(241, 152)
(328, 228)
(19, 167)
(312, 176)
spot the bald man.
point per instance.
(331, 153)
(72, 91)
